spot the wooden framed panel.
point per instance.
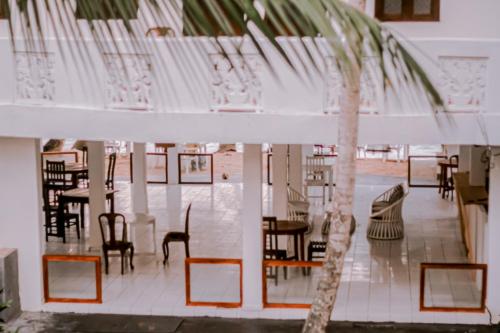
(154, 155)
(432, 181)
(483, 268)
(407, 10)
(212, 261)
(61, 155)
(196, 157)
(284, 263)
(72, 258)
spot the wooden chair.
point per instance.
(109, 222)
(177, 236)
(315, 175)
(51, 211)
(298, 207)
(110, 176)
(271, 250)
(55, 176)
(449, 182)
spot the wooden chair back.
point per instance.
(186, 223)
(109, 222)
(85, 157)
(110, 176)
(271, 239)
(55, 172)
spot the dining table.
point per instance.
(296, 229)
(79, 196)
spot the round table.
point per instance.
(296, 229)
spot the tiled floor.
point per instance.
(380, 280)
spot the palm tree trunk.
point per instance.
(339, 237)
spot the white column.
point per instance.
(464, 158)
(97, 190)
(252, 227)
(21, 220)
(492, 244)
(280, 180)
(295, 167)
(307, 150)
(477, 168)
(139, 186)
(173, 169)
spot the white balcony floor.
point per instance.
(380, 280)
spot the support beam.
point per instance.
(21, 218)
(280, 180)
(477, 175)
(97, 199)
(492, 243)
(139, 186)
(464, 159)
(252, 227)
(295, 167)
(173, 170)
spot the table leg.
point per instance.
(61, 232)
(82, 214)
(444, 176)
(296, 247)
(112, 204)
(302, 255)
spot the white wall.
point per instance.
(21, 214)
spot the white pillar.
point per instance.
(464, 159)
(97, 191)
(295, 167)
(492, 243)
(139, 186)
(280, 181)
(477, 168)
(173, 169)
(21, 219)
(252, 227)
(307, 150)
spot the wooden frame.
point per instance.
(427, 266)
(407, 14)
(57, 153)
(72, 258)
(212, 261)
(414, 157)
(284, 263)
(150, 181)
(179, 160)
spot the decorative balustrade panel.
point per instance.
(463, 82)
(35, 77)
(370, 93)
(236, 84)
(129, 81)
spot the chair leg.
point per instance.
(132, 257)
(122, 254)
(165, 255)
(106, 262)
(78, 227)
(186, 247)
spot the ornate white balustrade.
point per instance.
(171, 77)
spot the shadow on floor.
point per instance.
(104, 323)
